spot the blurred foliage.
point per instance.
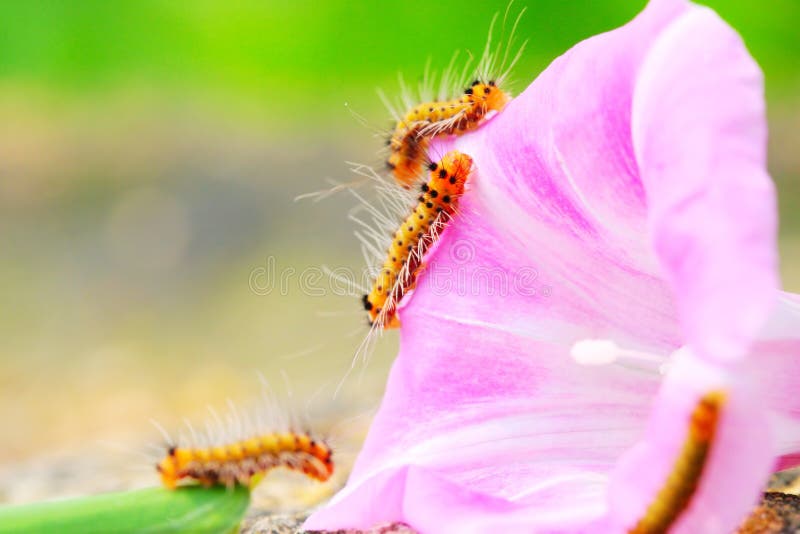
(306, 56)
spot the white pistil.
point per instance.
(596, 352)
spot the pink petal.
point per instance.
(408, 491)
(514, 420)
(486, 418)
(699, 132)
(775, 367)
(556, 209)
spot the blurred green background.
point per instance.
(150, 152)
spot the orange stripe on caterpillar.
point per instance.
(239, 462)
(437, 203)
(412, 134)
(681, 484)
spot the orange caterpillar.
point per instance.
(679, 488)
(240, 461)
(414, 129)
(411, 137)
(418, 231)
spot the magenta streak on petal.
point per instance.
(776, 370)
(776, 364)
(788, 461)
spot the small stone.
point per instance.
(778, 513)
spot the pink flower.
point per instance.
(604, 312)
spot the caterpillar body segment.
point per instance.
(437, 202)
(243, 462)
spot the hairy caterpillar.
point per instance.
(238, 462)
(441, 112)
(237, 454)
(445, 115)
(411, 137)
(436, 205)
(677, 492)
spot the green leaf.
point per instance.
(154, 510)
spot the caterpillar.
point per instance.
(411, 137)
(235, 454)
(415, 124)
(239, 462)
(679, 488)
(409, 140)
(436, 205)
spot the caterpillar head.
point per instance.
(491, 97)
(172, 466)
(451, 173)
(380, 297)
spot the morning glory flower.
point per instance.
(598, 342)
